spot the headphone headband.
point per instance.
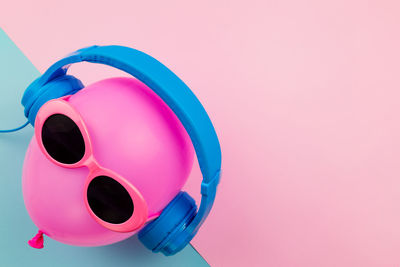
(175, 93)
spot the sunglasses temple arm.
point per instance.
(153, 216)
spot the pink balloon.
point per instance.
(133, 133)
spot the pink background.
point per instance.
(305, 98)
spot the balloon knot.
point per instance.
(37, 241)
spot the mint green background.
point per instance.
(16, 228)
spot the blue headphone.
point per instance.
(180, 220)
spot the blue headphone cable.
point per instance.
(15, 129)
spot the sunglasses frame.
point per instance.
(61, 106)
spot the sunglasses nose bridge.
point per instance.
(92, 164)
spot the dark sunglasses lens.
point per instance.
(109, 200)
(62, 139)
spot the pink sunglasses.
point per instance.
(110, 199)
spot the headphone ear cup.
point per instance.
(34, 97)
(165, 233)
